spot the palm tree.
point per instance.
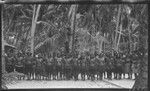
(33, 27)
(54, 34)
(3, 60)
(72, 14)
(141, 82)
(5, 30)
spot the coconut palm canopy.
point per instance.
(98, 26)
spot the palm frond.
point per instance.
(6, 44)
(48, 40)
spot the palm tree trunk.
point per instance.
(104, 42)
(119, 37)
(73, 25)
(129, 35)
(117, 26)
(3, 59)
(101, 43)
(112, 43)
(33, 27)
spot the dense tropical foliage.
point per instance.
(69, 29)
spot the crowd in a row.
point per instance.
(80, 67)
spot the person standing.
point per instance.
(88, 67)
(128, 66)
(92, 68)
(19, 66)
(83, 68)
(63, 67)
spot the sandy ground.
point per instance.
(34, 84)
(72, 84)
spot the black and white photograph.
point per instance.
(60, 46)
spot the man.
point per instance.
(63, 62)
(109, 67)
(54, 64)
(59, 66)
(88, 67)
(79, 64)
(49, 68)
(34, 60)
(38, 70)
(68, 69)
(72, 67)
(44, 62)
(119, 67)
(123, 65)
(19, 66)
(135, 66)
(128, 66)
(115, 67)
(83, 67)
(92, 68)
(76, 69)
(28, 66)
(101, 68)
(97, 66)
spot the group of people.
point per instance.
(80, 67)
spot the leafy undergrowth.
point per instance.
(10, 78)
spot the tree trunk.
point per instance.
(117, 26)
(112, 43)
(119, 37)
(33, 27)
(129, 34)
(73, 25)
(104, 43)
(101, 43)
(3, 42)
